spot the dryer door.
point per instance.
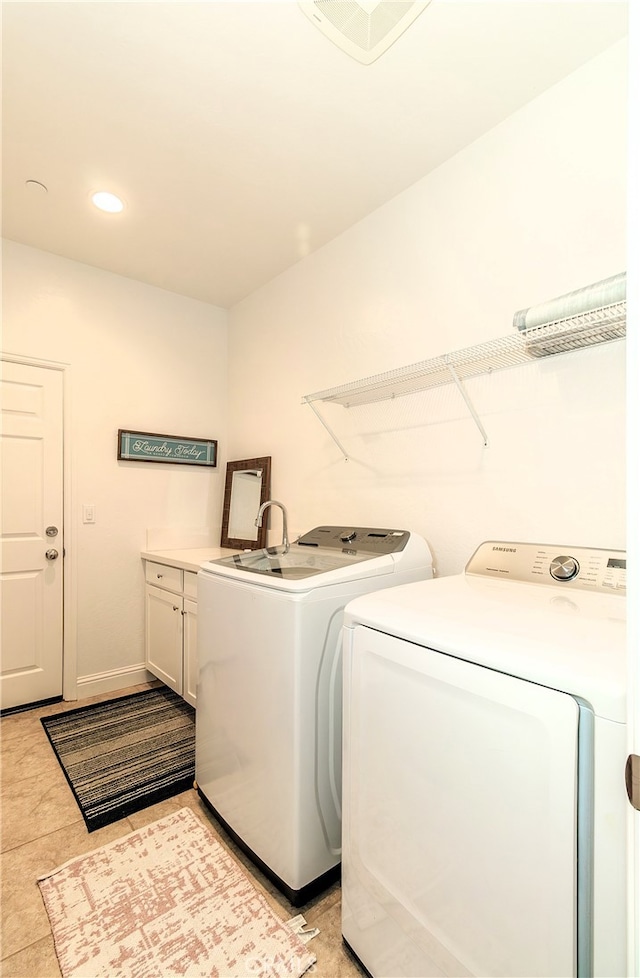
(460, 816)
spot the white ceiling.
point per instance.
(238, 135)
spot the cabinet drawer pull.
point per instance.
(159, 576)
(175, 607)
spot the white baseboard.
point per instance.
(114, 679)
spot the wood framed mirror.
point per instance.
(247, 486)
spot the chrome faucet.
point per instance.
(274, 502)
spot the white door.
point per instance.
(32, 533)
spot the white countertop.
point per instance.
(189, 560)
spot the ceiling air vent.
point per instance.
(363, 28)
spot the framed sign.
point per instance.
(143, 446)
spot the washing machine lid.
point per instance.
(569, 639)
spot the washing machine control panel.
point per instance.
(586, 568)
(356, 539)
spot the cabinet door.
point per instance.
(190, 647)
(163, 641)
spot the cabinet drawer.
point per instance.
(164, 576)
(190, 585)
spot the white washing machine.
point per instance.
(484, 822)
(269, 716)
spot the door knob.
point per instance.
(51, 554)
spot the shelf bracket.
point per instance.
(326, 426)
(467, 401)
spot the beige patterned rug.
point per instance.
(163, 902)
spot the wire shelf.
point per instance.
(587, 329)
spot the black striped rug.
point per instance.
(125, 754)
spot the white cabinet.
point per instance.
(170, 634)
(163, 639)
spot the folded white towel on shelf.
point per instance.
(597, 296)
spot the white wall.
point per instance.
(533, 209)
(140, 358)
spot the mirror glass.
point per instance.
(247, 486)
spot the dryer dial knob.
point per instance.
(348, 536)
(564, 568)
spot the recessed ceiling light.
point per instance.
(107, 202)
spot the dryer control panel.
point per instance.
(586, 568)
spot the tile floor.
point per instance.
(42, 828)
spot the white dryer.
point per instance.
(484, 822)
(269, 716)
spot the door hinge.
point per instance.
(632, 780)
